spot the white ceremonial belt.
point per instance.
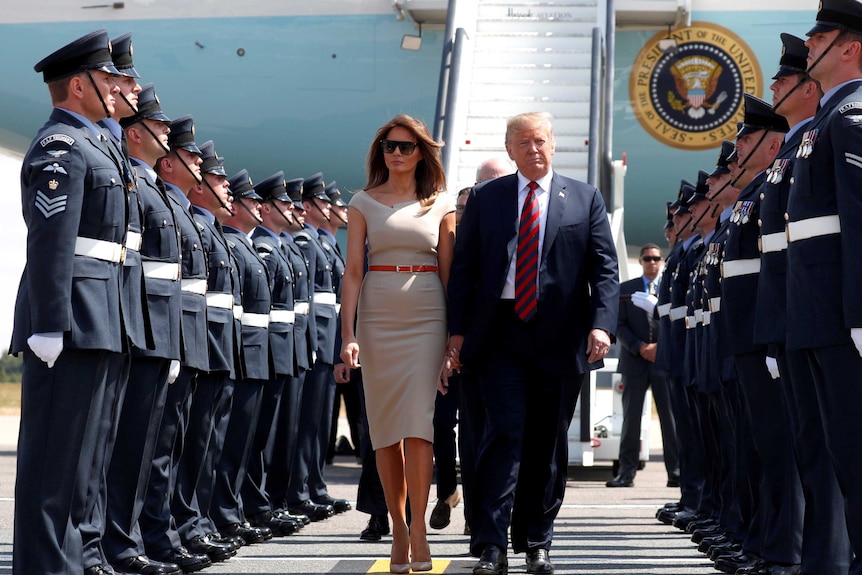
(99, 249)
(237, 312)
(677, 313)
(813, 227)
(715, 304)
(663, 309)
(197, 286)
(770, 243)
(300, 308)
(324, 298)
(690, 322)
(707, 318)
(133, 241)
(734, 268)
(162, 270)
(698, 315)
(255, 319)
(282, 316)
(220, 300)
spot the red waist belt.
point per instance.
(402, 269)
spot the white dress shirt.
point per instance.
(542, 195)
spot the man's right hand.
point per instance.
(47, 346)
(350, 353)
(453, 351)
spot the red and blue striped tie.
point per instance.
(527, 262)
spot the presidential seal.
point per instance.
(691, 97)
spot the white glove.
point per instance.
(47, 346)
(772, 366)
(173, 371)
(644, 301)
(856, 334)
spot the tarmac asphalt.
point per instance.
(599, 530)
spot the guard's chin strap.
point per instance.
(338, 215)
(314, 203)
(290, 220)
(132, 107)
(99, 94)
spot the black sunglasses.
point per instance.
(651, 258)
(389, 146)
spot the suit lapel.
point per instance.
(556, 208)
(510, 218)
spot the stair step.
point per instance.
(534, 91)
(543, 75)
(538, 4)
(583, 28)
(569, 12)
(497, 125)
(493, 141)
(534, 43)
(511, 108)
(532, 59)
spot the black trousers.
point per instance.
(255, 499)
(445, 453)
(56, 405)
(158, 529)
(522, 451)
(129, 470)
(307, 462)
(284, 450)
(634, 395)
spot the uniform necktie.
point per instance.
(651, 288)
(527, 262)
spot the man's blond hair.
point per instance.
(528, 121)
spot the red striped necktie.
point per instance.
(527, 262)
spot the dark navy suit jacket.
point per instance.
(635, 328)
(578, 280)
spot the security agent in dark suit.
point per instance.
(824, 315)
(313, 434)
(180, 172)
(530, 340)
(637, 332)
(204, 438)
(776, 485)
(73, 202)
(225, 509)
(825, 544)
(275, 213)
(146, 133)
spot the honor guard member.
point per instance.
(275, 213)
(304, 341)
(135, 318)
(146, 135)
(691, 464)
(719, 377)
(825, 544)
(348, 391)
(778, 495)
(68, 312)
(211, 398)
(824, 311)
(179, 169)
(314, 421)
(226, 508)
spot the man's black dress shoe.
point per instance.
(621, 481)
(234, 542)
(683, 518)
(378, 526)
(538, 561)
(279, 527)
(188, 562)
(705, 543)
(765, 568)
(700, 524)
(724, 549)
(699, 535)
(99, 570)
(673, 481)
(732, 563)
(141, 565)
(213, 549)
(250, 535)
(492, 562)
(312, 510)
(338, 505)
(300, 520)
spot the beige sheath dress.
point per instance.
(401, 318)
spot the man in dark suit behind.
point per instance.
(532, 303)
(638, 331)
